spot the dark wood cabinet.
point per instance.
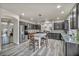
(74, 17)
(66, 25)
(59, 26)
(73, 21)
(71, 49)
(34, 26)
(37, 27)
(54, 36)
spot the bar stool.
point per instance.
(44, 40)
(31, 41)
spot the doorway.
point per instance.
(7, 28)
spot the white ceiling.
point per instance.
(47, 10)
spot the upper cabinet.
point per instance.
(74, 17)
(59, 26)
(34, 26)
(66, 25)
(72, 21)
(78, 14)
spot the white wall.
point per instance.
(16, 32)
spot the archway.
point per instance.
(9, 31)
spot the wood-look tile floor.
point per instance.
(6, 46)
(23, 50)
(17, 50)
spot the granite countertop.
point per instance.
(40, 35)
(69, 39)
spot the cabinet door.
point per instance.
(66, 25)
(58, 26)
(71, 49)
(74, 18)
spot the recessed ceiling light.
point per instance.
(31, 18)
(22, 14)
(58, 18)
(58, 6)
(62, 12)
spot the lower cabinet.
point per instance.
(72, 49)
(54, 36)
